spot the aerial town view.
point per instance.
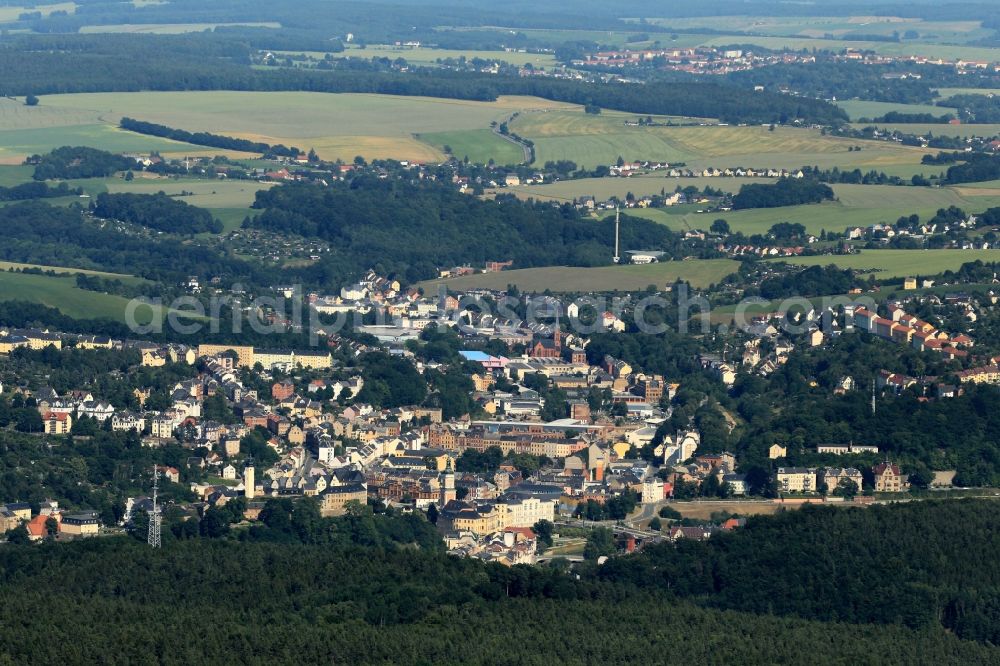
(461, 332)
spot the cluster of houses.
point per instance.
(871, 58)
(907, 329)
(840, 480)
(50, 522)
(699, 60)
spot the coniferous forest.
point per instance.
(378, 589)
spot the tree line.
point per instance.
(208, 139)
(784, 192)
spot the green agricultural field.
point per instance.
(10, 14)
(480, 146)
(834, 26)
(63, 294)
(168, 28)
(11, 175)
(594, 140)
(904, 48)
(937, 129)
(700, 273)
(429, 56)
(950, 92)
(128, 279)
(985, 185)
(30, 130)
(856, 109)
(617, 39)
(197, 192)
(335, 125)
(901, 263)
(857, 206)
(232, 218)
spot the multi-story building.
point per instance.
(525, 512)
(57, 423)
(335, 498)
(796, 479)
(832, 476)
(888, 478)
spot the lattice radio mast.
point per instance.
(153, 536)
(617, 256)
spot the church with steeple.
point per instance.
(447, 485)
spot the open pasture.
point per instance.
(594, 140)
(950, 92)
(857, 205)
(903, 48)
(30, 130)
(129, 279)
(62, 293)
(168, 28)
(700, 273)
(429, 56)
(10, 14)
(203, 193)
(479, 145)
(857, 109)
(900, 263)
(836, 27)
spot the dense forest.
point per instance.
(784, 192)
(351, 590)
(71, 162)
(207, 139)
(156, 211)
(917, 565)
(27, 191)
(976, 168)
(411, 229)
(35, 232)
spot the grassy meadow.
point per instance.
(10, 13)
(857, 109)
(903, 48)
(429, 56)
(128, 279)
(31, 130)
(62, 293)
(700, 273)
(835, 26)
(167, 28)
(900, 263)
(592, 140)
(857, 205)
(949, 92)
(479, 145)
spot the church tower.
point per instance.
(249, 483)
(448, 484)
